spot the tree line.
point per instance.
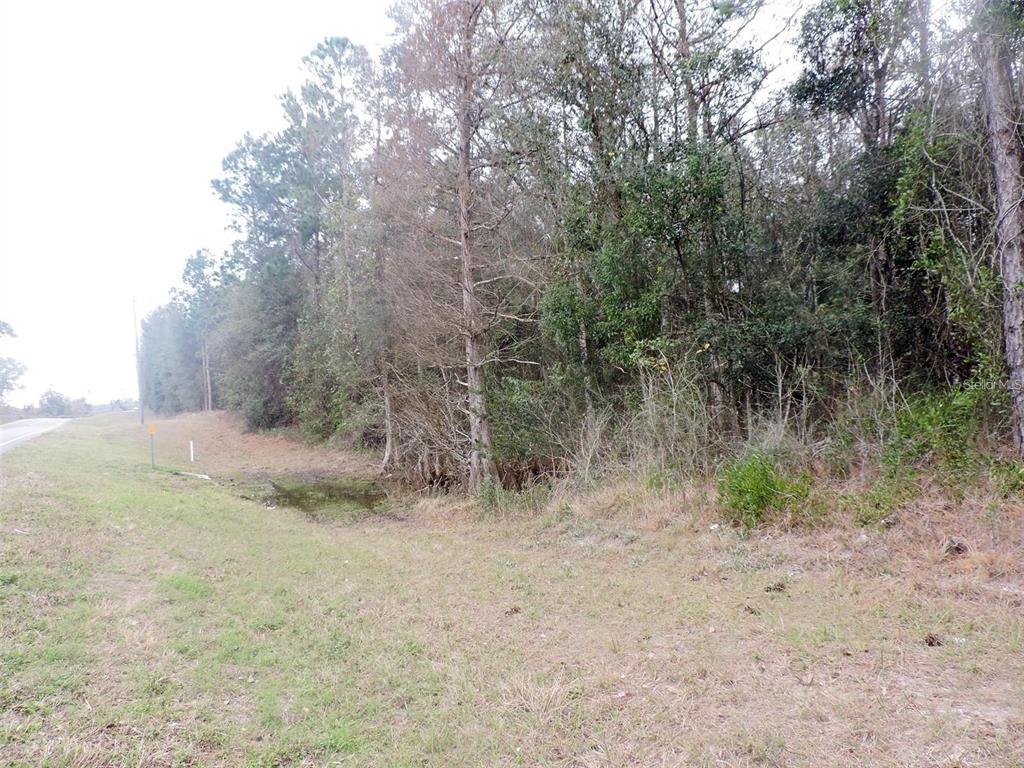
(533, 233)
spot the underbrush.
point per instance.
(876, 504)
(945, 432)
(797, 462)
(869, 460)
(496, 502)
(889, 444)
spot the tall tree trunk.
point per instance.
(481, 463)
(1004, 114)
(924, 53)
(380, 276)
(389, 420)
(689, 91)
(876, 139)
(879, 102)
(207, 379)
(582, 344)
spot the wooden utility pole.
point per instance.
(138, 364)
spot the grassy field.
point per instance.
(152, 619)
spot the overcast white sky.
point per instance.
(114, 117)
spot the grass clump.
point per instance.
(496, 502)
(1008, 476)
(878, 504)
(753, 488)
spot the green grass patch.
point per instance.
(183, 586)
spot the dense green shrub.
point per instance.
(753, 488)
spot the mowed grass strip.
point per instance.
(157, 619)
(154, 619)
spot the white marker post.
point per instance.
(191, 452)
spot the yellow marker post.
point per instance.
(152, 450)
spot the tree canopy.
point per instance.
(529, 218)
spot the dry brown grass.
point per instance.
(224, 449)
(853, 680)
(623, 627)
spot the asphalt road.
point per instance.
(13, 433)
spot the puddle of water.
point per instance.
(323, 499)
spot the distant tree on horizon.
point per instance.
(10, 369)
(53, 403)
